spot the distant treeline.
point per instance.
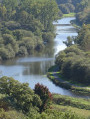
(83, 17)
(25, 25)
(67, 6)
(80, 7)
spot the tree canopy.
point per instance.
(74, 61)
(24, 26)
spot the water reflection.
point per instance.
(37, 68)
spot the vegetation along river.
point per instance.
(33, 69)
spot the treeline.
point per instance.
(83, 17)
(67, 6)
(19, 101)
(25, 25)
(74, 61)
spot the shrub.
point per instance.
(44, 94)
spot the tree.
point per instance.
(24, 22)
(70, 7)
(12, 25)
(3, 12)
(44, 94)
(20, 94)
(83, 38)
(22, 51)
(64, 9)
(69, 41)
(4, 53)
(8, 39)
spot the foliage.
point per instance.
(21, 95)
(44, 94)
(67, 6)
(47, 37)
(23, 23)
(80, 112)
(74, 61)
(83, 17)
(69, 41)
(70, 101)
(64, 8)
(52, 114)
(20, 102)
(70, 62)
(57, 78)
(83, 38)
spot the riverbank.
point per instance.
(69, 15)
(75, 24)
(55, 76)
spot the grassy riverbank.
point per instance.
(69, 15)
(55, 76)
(77, 105)
(71, 101)
(73, 22)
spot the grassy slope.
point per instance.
(80, 112)
(60, 103)
(10, 111)
(71, 101)
(78, 105)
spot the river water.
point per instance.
(33, 69)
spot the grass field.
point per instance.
(69, 15)
(71, 101)
(80, 112)
(78, 105)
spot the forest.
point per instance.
(25, 25)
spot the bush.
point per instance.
(19, 94)
(47, 37)
(11, 25)
(44, 94)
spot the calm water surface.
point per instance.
(33, 69)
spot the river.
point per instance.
(33, 69)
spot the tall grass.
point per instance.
(70, 101)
